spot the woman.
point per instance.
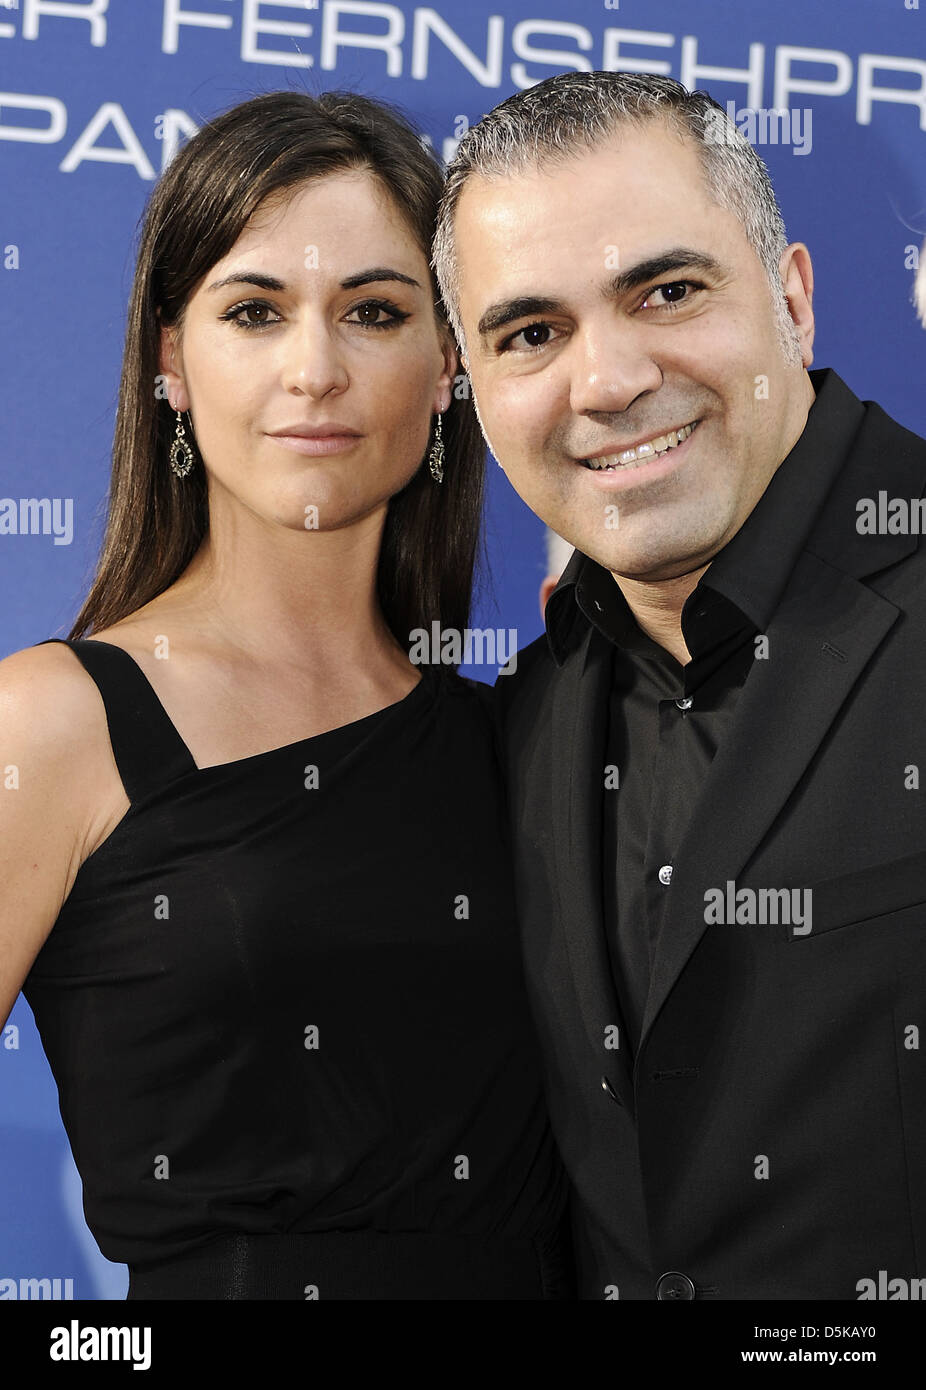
(256, 885)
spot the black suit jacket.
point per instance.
(770, 1139)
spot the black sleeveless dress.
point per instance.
(284, 1010)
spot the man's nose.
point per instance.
(314, 361)
(610, 366)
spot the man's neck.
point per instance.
(658, 609)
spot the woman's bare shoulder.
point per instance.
(47, 698)
(56, 733)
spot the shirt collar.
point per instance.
(752, 569)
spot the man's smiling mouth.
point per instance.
(648, 449)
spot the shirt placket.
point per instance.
(667, 813)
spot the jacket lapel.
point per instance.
(580, 713)
(825, 630)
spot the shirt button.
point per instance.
(665, 874)
(685, 703)
(675, 1286)
(606, 1086)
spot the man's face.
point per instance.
(607, 302)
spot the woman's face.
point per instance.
(319, 318)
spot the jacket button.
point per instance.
(606, 1086)
(674, 1285)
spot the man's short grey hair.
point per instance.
(572, 111)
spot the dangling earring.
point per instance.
(182, 457)
(436, 456)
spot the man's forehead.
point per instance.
(630, 145)
(500, 213)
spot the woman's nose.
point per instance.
(314, 363)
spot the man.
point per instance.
(713, 752)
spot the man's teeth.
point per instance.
(643, 451)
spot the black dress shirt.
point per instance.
(666, 721)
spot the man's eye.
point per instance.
(673, 294)
(535, 335)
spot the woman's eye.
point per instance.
(258, 311)
(672, 294)
(369, 312)
(257, 314)
(535, 335)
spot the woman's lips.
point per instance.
(316, 444)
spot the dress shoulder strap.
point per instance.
(148, 750)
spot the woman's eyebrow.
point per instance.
(270, 282)
(249, 277)
(380, 272)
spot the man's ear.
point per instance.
(170, 367)
(796, 272)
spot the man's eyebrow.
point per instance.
(270, 282)
(678, 258)
(497, 315)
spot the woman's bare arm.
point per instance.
(52, 734)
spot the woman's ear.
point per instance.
(448, 375)
(170, 367)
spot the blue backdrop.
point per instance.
(96, 96)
